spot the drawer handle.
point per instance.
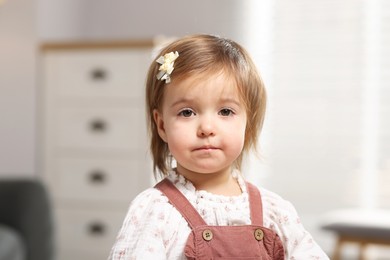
(98, 126)
(97, 177)
(99, 74)
(96, 229)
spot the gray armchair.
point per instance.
(26, 227)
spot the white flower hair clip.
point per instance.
(166, 67)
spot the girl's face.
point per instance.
(203, 122)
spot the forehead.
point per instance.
(203, 86)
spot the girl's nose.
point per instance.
(206, 127)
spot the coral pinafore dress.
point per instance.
(226, 242)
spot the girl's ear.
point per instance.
(158, 119)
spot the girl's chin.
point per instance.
(204, 170)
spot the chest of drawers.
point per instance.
(94, 152)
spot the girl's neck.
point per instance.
(221, 183)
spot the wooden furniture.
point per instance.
(362, 227)
(94, 154)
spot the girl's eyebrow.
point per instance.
(230, 100)
(221, 101)
(181, 101)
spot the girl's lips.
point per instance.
(206, 147)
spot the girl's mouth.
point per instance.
(206, 148)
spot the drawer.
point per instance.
(101, 129)
(101, 180)
(92, 74)
(90, 233)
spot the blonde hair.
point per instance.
(199, 55)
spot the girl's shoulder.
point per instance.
(148, 197)
(151, 203)
(147, 228)
(281, 216)
(275, 201)
(150, 208)
(277, 210)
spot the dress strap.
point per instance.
(256, 206)
(181, 203)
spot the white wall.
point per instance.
(17, 87)
(101, 19)
(328, 112)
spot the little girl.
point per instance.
(205, 104)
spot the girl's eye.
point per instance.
(225, 112)
(186, 113)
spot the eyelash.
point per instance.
(224, 110)
(186, 110)
(189, 112)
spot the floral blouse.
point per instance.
(154, 229)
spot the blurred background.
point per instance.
(325, 63)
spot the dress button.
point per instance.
(207, 235)
(259, 234)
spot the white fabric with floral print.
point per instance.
(154, 229)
